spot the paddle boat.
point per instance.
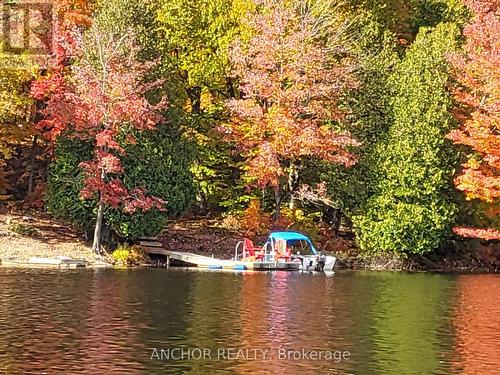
(286, 250)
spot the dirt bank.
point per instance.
(34, 234)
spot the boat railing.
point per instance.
(267, 254)
(268, 249)
(242, 250)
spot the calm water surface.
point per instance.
(109, 321)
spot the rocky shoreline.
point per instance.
(457, 263)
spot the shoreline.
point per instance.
(34, 240)
(459, 263)
(24, 236)
(365, 264)
(373, 268)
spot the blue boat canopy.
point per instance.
(290, 237)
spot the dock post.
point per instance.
(168, 261)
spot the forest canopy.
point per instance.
(368, 119)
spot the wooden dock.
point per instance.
(58, 262)
(185, 258)
(201, 261)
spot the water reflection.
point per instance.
(86, 321)
(254, 322)
(410, 321)
(477, 325)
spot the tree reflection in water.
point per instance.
(85, 321)
(477, 324)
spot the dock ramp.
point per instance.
(202, 261)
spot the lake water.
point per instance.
(158, 321)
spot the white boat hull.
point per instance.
(318, 263)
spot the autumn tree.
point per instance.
(477, 72)
(19, 139)
(72, 17)
(17, 107)
(194, 43)
(383, 31)
(104, 100)
(16, 111)
(289, 84)
(197, 35)
(158, 160)
(71, 13)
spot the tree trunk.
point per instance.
(277, 199)
(333, 216)
(293, 184)
(194, 95)
(203, 203)
(96, 246)
(32, 164)
(231, 92)
(33, 119)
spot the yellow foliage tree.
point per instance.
(16, 109)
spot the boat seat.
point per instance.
(282, 251)
(250, 250)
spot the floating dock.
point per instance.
(201, 261)
(57, 262)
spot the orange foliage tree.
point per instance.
(290, 85)
(255, 221)
(72, 13)
(478, 92)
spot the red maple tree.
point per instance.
(101, 97)
(478, 74)
(72, 16)
(290, 86)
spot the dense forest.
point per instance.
(372, 119)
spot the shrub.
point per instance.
(158, 162)
(125, 255)
(120, 256)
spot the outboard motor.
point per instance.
(325, 263)
(320, 265)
